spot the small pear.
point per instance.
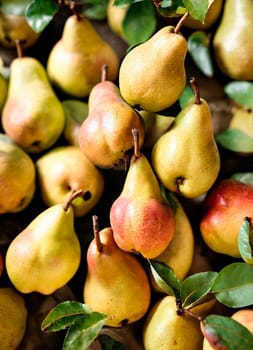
(74, 63)
(115, 17)
(33, 115)
(105, 135)
(232, 44)
(46, 254)
(116, 283)
(186, 158)
(141, 220)
(152, 75)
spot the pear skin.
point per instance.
(74, 63)
(138, 216)
(152, 75)
(46, 254)
(115, 17)
(232, 44)
(116, 283)
(185, 164)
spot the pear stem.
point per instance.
(96, 233)
(180, 23)
(195, 88)
(104, 72)
(73, 195)
(19, 48)
(72, 7)
(135, 133)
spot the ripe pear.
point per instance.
(166, 329)
(46, 254)
(65, 169)
(152, 74)
(186, 158)
(115, 17)
(13, 318)
(224, 209)
(105, 135)
(33, 115)
(116, 283)
(213, 13)
(142, 221)
(74, 63)
(18, 176)
(232, 44)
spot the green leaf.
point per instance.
(226, 333)
(76, 110)
(196, 287)
(199, 50)
(165, 278)
(123, 2)
(169, 197)
(245, 177)
(241, 92)
(186, 96)
(108, 343)
(14, 7)
(139, 23)
(233, 286)
(245, 241)
(235, 140)
(40, 13)
(97, 10)
(197, 8)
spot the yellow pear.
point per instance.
(18, 176)
(46, 254)
(13, 318)
(166, 329)
(115, 17)
(152, 74)
(232, 44)
(65, 169)
(74, 63)
(187, 164)
(116, 283)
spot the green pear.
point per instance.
(46, 254)
(13, 318)
(232, 44)
(166, 328)
(115, 17)
(3, 91)
(186, 158)
(116, 283)
(18, 176)
(74, 63)
(33, 115)
(105, 135)
(152, 74)
(65, 169)
(140, 212)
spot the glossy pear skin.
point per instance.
(116, 283)
(105, 135)
(232, 44)
(152, 75)
(46, 254)
(185, 164)
(225, 207)
(32, 116)
(141, 220)
(74, 63)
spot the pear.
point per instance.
(65, 169)
(33, 115)
(116, 283)
(18, 177)
(3, 91)
(115, 17)
(74, 63)
(186, 158)
(142, 221)
(46, 254)
(105, 135)
(166, 328)
(152, 74)
(232, 44)
(13, 318)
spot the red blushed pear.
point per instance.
(141, 220)
(225, 207)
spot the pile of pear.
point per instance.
(123, 130)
